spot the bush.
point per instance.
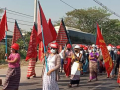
(2, 53)
(22, 53)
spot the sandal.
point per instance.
(77, 85)
(89, 80)
(28, 77)
(70, 85)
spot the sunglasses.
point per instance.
(52, 48)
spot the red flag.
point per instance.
(41, 51)
(52, 29)
(62, 38)
(17, 33)
(32, 48)
(42, 21)
(106, 56)
(3, 26)
(97, 40)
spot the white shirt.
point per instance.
(61, 54)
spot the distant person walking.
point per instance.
(13, 74)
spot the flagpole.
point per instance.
(96, 34)
(44, 47)
(6, 40)
(43, 39)
(68, 38)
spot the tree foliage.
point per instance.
(85, 20)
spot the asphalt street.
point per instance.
(103, 83)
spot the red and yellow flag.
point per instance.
(106, 56)
(41, 51)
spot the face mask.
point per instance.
(81, 52)
(76, 50)
(68, 49)
(94, 50)
(53, 51)
(11, 50)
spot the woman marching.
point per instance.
(67, 62)
(13, 74)
(85, 66)
(118, 65)
(53, 63)
(93, 56)
(75, 69)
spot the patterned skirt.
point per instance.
(49, 82)
(12, 79)
(93, 69)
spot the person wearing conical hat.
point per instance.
(76, 67)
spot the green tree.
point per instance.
(85, 20)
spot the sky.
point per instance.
(54, 9)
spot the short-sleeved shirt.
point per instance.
(92, 55)
(11, 58)
(68, 53)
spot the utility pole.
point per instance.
(35, 11)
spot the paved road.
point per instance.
(36, 83)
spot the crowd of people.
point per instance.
(74, 61)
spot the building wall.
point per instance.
(73, 32)
(81, 35)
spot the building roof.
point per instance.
(70, 28)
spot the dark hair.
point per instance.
(57, 51)
(16, 51)
(118, 49)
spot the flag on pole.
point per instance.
(3, 26)
(17, 33)
(41, 51)
(52, 29)
(46, 31)
(62, 37)
(97, 40)
(32, 48)
(106, 56)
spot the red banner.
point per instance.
(17, 34)
(52, 29)
(46, 31)
(62, 38)
(3, 26)
(32, 48)
(106, 56)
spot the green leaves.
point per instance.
(85, 20)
